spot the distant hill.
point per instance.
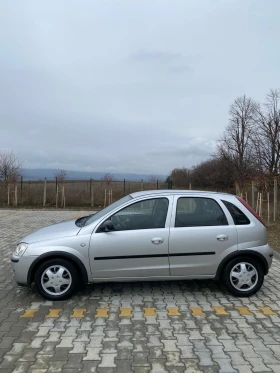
(41, 173)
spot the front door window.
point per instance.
(148, 214)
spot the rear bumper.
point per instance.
(264, 252)
(267, 252)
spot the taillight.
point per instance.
(248, 207)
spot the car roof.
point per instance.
(173, 192)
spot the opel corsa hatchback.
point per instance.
(151, 235)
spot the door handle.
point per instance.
(222, 237)
(157, 240)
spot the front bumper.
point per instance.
(21, 266)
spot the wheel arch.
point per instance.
(254, 254)
(79, 265)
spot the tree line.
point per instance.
(249, 148)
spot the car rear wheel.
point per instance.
(56, 279)
(243, 276)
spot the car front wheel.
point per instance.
(56, 279)
(243, 276)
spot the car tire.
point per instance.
(243, 276)
(56, 279)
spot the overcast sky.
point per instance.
(130, 85)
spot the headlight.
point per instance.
(21, 247)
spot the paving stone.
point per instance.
(137, 370)
(237, 358)
(274, 368)
(7, 342)
(21, 367)
(124, 366)
(225, 366)
(61, 354)
(107, 361)
(192, 366)
(258, 365)
(55, 366)
(74, 361)
(42, 361)
(28, 355)
(139, 344)
(205, 358)
(93, 353)
(158, 366)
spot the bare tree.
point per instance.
(152, 180)
(61, 175)
(236, 145)
(213, 173)
(267, 136)
(107, 178)
(181, 177)
(10, 167)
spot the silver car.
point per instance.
(151, 235)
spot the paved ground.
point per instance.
(144, 327)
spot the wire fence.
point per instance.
(71, 193)
(97, 194)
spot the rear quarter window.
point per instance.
(238, 216)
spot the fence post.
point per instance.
(56, 198)
(190, 186)
(56, 184)
(275, 200)
(21, 182)
(260, 205)
(124, 187)
(268, 208)
(105, 198)
(45, 192)
(237, 190)
(8, 195)
(253, 194)
(90, 188)
(16, 196)
(142, 184)
(91, 193)
(62, 196)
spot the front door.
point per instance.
(202, 233)
(138, 246)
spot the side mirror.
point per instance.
(107, 226)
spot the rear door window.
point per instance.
(199, 212)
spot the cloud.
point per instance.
(173, 62)
(159, 56)
(136, 86)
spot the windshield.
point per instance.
(107, 209)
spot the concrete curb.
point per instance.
(276, 255)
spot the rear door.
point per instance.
(202, 233)
(138, 247)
